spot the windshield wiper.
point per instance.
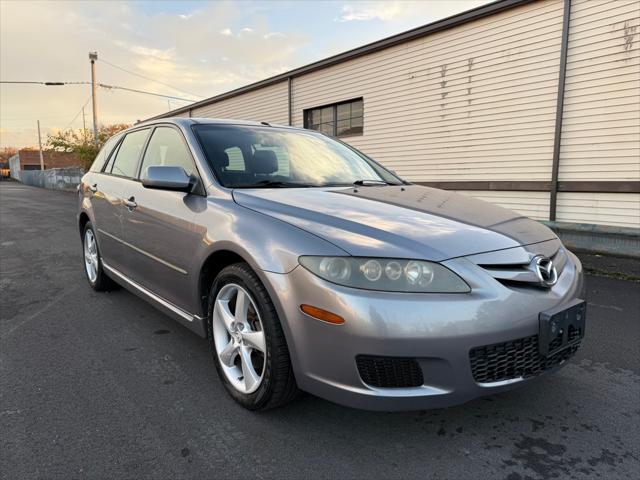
(270, 184)
(367, 183)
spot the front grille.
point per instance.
(517, 359)
(389, 372)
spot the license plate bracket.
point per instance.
(555, 325)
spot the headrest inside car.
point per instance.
(222, 160)
(264, 161)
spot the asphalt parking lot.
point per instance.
(104, 386)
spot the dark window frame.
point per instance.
(148, 142)
(334, 106)
(198, 184)
(116, 150)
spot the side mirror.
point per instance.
(166, 178)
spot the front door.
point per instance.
(158, 224)
(106, 202)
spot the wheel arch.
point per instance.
(227, 255)
(214, 263)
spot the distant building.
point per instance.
(30, 159)
(533, 105)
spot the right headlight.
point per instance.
(386, 274)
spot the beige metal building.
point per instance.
(533, 105)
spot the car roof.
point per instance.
(188, 121)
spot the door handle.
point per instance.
(94, 187)
(130, 203)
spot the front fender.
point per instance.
(265, 242)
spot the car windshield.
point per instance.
(271, 157)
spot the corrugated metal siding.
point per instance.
(476, 102)
(601, 116)
(531, 204)
(269, 104)
(617, 209)
(601, 124)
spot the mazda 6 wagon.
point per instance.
(308, 266)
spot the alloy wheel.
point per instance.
(239, 338)
(91, 255)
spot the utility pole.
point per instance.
(93, 56)
(40, 144)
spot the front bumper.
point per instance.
(437, 330)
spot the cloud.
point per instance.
(184, 51)
(366, 11)
(269, 35)
(396, 10)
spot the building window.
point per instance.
(342, 119)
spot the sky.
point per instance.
(188, 49)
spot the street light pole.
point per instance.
(93, 56)
(40, 145)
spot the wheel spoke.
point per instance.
(227, 354)
(242, 304)
(224, 314)
(251, 378)
(255, 340)
(91, 256)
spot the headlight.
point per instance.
(386, 274)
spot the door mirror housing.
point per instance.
(167, 178)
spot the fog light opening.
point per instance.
(321, 314)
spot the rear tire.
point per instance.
(96, 276)
(271, 382)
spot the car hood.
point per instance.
(393, 221)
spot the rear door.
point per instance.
(158, 224)
(107, 197)
(105, 200)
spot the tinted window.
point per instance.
(338, 120)
(106, 149)
(166, 147)
(245, 157)
(128, 154)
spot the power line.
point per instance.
(102, 85)
(144, 92)
(102, 60)
(34, 83)
(77, 114)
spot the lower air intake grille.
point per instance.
(389, 372)
(515, 359)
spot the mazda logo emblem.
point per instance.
(545, 270)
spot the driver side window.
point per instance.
(166, 148)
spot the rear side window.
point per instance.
(166, 148)
(126, 161)
(103, 154)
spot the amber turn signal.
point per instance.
(321, 314)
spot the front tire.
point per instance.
(247, 342)
(95, 274)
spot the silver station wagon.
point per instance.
(309, 266)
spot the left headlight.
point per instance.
(386, 274)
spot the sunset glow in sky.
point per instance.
(195, 49)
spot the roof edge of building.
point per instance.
(414, 33)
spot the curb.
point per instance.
(599, 239)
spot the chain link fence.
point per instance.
(54, 178)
